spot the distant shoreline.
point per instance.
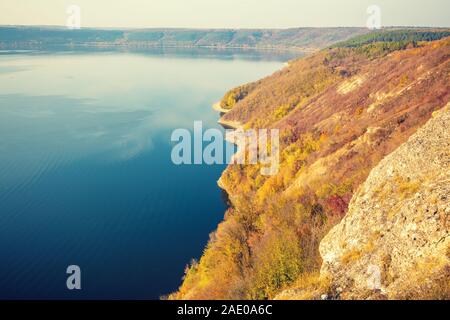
(293, 39)
(135, 46)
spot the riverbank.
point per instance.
(217, 107)
(224, 123)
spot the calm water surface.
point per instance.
(85, 171)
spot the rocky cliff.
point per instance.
(394, 241)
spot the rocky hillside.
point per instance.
(340, 112)
(395, 240)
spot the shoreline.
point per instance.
(26, 45)
(216, 106)
(224, 123)
(235, 125)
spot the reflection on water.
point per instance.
(191, 53)
(85, 170)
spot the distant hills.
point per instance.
(305, 39)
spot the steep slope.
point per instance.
(394, 240)
(340, 112)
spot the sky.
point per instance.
(225, 13)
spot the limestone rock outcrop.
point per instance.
(394, 242)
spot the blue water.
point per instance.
(86, 176)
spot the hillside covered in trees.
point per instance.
(340, 112)
(305, 39)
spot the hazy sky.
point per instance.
(226, 13)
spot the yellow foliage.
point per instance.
(359, 111)
(404, 80)
(277, 265)
(326, 190)
(355, 253)
(282, 111)
(406, 188)
(309, 286)
(351, 256)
